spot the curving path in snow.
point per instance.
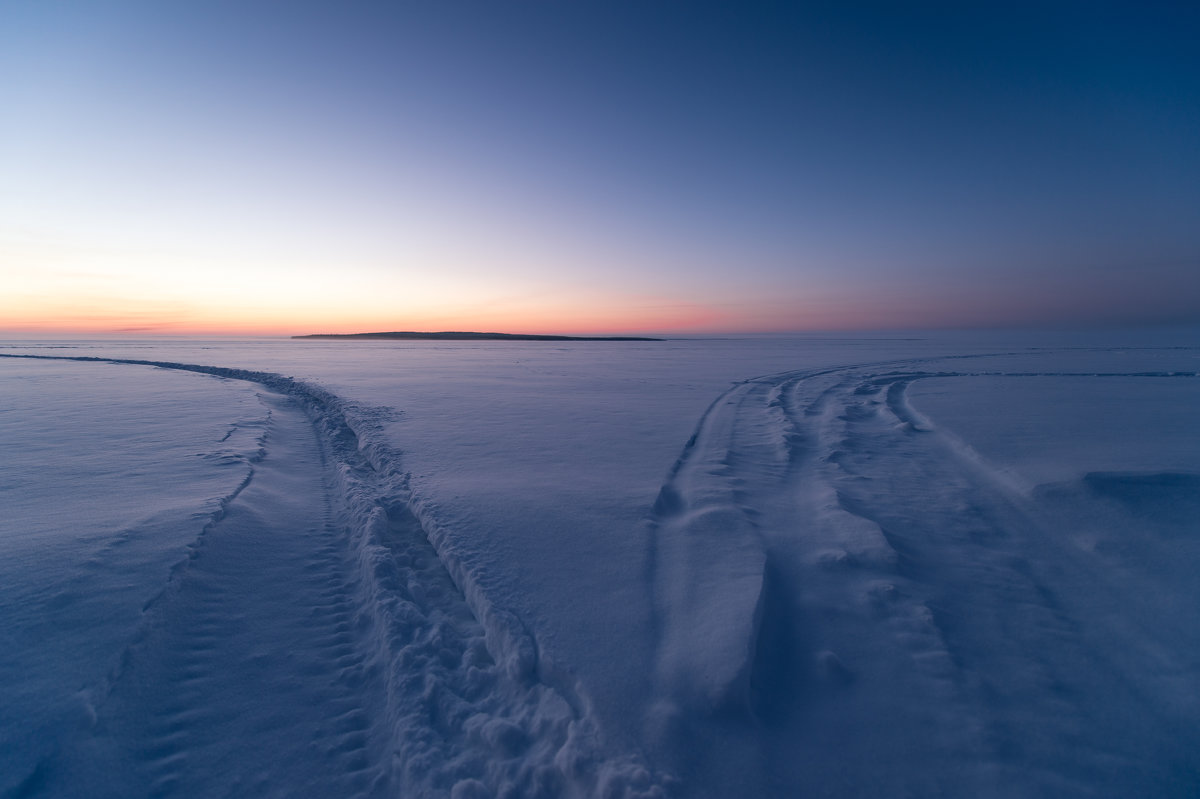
(317, 642)
(848, 599)
(851, 601)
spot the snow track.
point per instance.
(847, 599)
(850, 600)
(322, 639)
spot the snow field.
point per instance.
(948, 574)
(436, 691)
(105, 482)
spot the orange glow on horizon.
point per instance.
(636, 317)
(57, 321)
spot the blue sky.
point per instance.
(588, 167)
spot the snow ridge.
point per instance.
(471, 707)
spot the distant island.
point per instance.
(457, 336)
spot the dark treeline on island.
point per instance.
(456, 336)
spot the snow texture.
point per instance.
(947, 567)
(388, 618)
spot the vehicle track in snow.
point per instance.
(874, 594)
(323, 639)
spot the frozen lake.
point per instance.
(859, 566)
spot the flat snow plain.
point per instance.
(944, 565)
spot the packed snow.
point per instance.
(945, 565)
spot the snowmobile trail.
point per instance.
(322, 639)
(896, 600)
(838, 594)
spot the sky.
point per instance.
(284, 168)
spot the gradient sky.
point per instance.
(295, 167)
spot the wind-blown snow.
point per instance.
(107, 477)
(453, 679)
(772, 568)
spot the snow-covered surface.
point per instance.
(107, 477)
(948, 565)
